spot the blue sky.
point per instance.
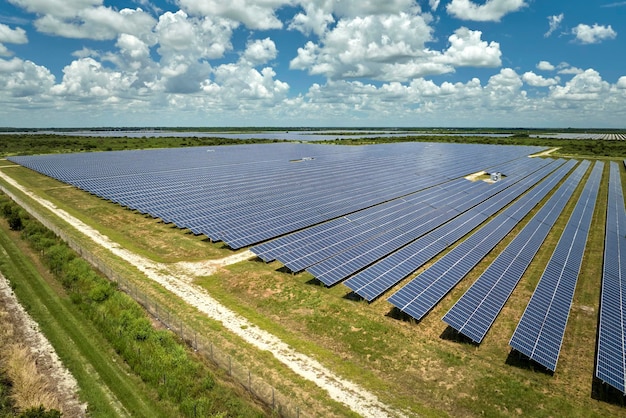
(449, 63)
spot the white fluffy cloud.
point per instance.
(535, 80)
(100, 23)
(593, 34)
(545, 66)
(566, 68)
(492, 10)
(19, 78)
(86, 19)
(182, 37)
(467, 49)
(260, 52)
(317, 15)
(587, 85)
(87, 78)
(10, 36)
(239, 84)
(555, 23)
(434, 4)
(367, 47)
(60, 8)
(392, 48)
(255, 14)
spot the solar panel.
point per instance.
(381, 276)
(422, 293)
(611, 353)
(474, 313)
(437, 227)
(539, 334)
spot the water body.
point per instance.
(268, 135)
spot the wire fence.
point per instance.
(279, 404)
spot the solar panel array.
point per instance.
(611, 354)
(373, 281)
(474, 313)
(373, 215)
(246, 194)
(337, 249)
(422, 293)
(539, 334)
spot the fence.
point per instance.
(265, 393)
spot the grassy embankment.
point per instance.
(123, 365)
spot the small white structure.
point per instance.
(497, 176)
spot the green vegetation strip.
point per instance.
(96, 316)
(35, 143)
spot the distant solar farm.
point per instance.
(371, 216)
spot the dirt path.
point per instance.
(178, 279)
(59, 380)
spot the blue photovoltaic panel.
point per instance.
(611, 357)
(540, 332)
(474, 313)
(422, 293)
(377, 230)
(381, 276)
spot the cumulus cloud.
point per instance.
(313, 20)
(434, 4)
(585, 86)
(260, 52)
(19, 78)
(255, 14)
(99, 23)
(239, 82)
(60, 8)
(317, 15)
(467, 49)
(392, 48)
(506, 81)
(566, 68)
(182, 37)
(545, 66)
(491, 11)
(555, 23)
(621, 83)
(593, 34)
(367, 47)
(87, 78)
(10, 36)
(535, 80)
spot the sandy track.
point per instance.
(348, 393)
(60, 380)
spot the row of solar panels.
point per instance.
(611, 353)
(539, 334)
(251, 193)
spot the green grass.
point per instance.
(104, 381)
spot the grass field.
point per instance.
(420, 367)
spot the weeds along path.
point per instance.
(177, 280)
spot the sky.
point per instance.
(315, 63)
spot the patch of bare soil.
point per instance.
(60, 385)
